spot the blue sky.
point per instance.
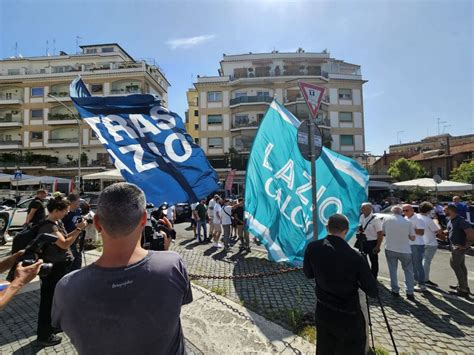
(416, 55)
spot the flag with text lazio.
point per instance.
(278, 188)
(148, 144)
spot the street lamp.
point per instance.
(80, 140)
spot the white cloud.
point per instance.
(189, 42)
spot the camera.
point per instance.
(361, 237)
(88, 220)
(32, 250)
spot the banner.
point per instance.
(148, 144)
(278, 188)
(230, 180)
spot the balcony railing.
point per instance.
(125, 91)
(10, 142)
(251, 99)
(63, 140)
(10, 97)
(60, 116)
(60, 94)
(10, 119)
(243, 124)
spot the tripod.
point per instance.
(361, 239)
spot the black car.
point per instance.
(183, 212)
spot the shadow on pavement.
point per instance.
(424, 314)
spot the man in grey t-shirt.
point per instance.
(129, 301)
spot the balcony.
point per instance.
(9, 99)
(250, 100)
(63, 140)
(10, 144)
(60, 93)
(9, 121)
(61, 118)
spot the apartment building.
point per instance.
(192, 114)
(232, 104)
(37, 132)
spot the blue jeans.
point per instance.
(417, 254)
(202, 224)
(430, 251)
(407, 265)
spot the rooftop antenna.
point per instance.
(16, 49)
(439, 122)
(398, 137)
(78, 38)
(47, 48)
(54, 46)
(446, 126)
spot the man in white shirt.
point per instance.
(227, 223)
(398, 232)
(171, 214)
(376, 207)
(372, 227)
(210, 213)
(417, 246)
(217, 222)
(429, 238)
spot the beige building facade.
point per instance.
(233, 103)
(37, 133)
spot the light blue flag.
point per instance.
(149, 144)
(278, 188)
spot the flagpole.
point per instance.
(312, 155)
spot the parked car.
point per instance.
(183, 212)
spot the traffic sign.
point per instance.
(313, 95)
(303, 140)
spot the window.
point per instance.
(214, 119)
(347, 139)
(213, 96)
(345, 94)
(215, 142)
(439, 171)
(345, 116)
(97, 88)
(263, 94)
(196, 140)
(13, 71)
(8, 96)
(91, 50)
(196, 126)
(93, 134)
(37, 135)
(260, 116)
(196, 113)
(240, 94)
(37, 91)
(8, 137)
(107, 49)
(59, 69)
(37, 113)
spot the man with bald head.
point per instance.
(398, 233)
(372, 227)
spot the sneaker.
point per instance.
(420, 288)
(52, 340)
(219, 245)
(411, 297)
(459, 293)
(453, 287)
(431, 283)
(394, 294)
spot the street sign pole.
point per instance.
(313, 95)
(312, 156)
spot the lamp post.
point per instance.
(78, 188)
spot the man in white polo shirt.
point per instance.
(417, 246)
(398, 232)
(431, 243)
(372, 227)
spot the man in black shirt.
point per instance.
(339, 272)
(459, 232)
(36, 212)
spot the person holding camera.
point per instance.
(134, 296)
(339, 272)
(60, 255)
(23, 275)
(370, 230)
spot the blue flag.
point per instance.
(278, 188)
(148, 144)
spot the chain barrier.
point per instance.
(245, 276)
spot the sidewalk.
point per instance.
(212, 324)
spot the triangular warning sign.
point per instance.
(313, 95)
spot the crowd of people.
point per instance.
(411, 239)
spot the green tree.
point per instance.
(464, 173)
(404, 169)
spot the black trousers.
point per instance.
(369, 246)
(339, 334)
(48, 284)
